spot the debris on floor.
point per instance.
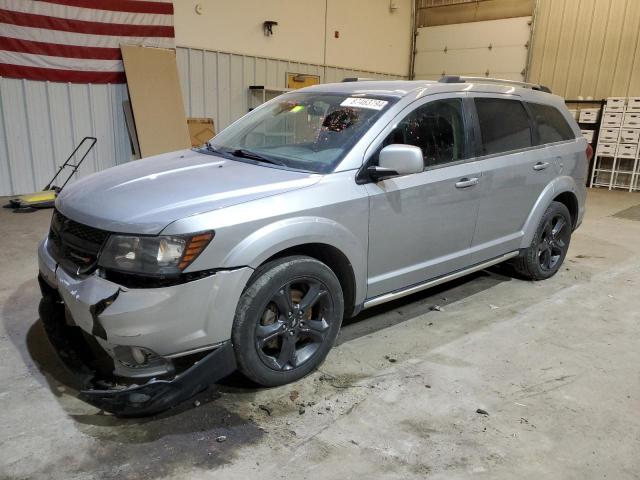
(482, 412)
(266, 409)
(437, 308)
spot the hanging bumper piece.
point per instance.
(84, 356)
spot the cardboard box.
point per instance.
(201, 130)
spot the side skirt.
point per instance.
(403, 292)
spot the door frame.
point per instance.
(470, 132)
(362, 178)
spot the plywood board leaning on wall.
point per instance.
(156, 98)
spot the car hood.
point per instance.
(144, 196)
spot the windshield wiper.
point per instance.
(213, 149)
(241, 152)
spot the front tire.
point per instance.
(287, 320)
(549, 247)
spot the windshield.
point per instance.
(302, 131)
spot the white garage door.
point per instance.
(493, 48)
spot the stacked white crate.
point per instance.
(617, 159)
(586, 116)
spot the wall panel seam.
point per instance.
(617, 56)
(28, 124)
(47, 93)
(573, 42)
(636, 57)
(6, 137)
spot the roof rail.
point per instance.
(465, 79)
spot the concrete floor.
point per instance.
(556, 365)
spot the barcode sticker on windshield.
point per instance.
(371, 103)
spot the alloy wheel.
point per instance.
(293, 325)
(553, 242)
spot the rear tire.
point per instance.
(287, 320)
(549, 247)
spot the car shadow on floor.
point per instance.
(184, 435)
(396, 312)
(433, 299)
(28, 335)
(26, 331)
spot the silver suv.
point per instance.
(165, 274)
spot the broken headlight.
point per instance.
(155, 256)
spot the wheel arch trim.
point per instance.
(286, 234)
(558, 186)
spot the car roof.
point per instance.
(411, 88)
(393, 88)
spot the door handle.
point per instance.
(467, 182)
(541, 165)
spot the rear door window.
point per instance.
(552, 126)
(504, 125)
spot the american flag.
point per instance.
(78, 41)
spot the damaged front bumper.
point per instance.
(159, 395)
(153, 397)
(95, 324)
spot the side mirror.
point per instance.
(395, 160)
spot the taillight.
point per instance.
(589, 152)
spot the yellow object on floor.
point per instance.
(44, 199)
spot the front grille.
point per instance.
(73, 245)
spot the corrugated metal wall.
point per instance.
(40, 122)
(214, 84)
(587, 47)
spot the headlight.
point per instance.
(157, 256)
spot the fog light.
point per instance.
(138, 355)
(134, 357)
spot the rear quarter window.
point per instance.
(504, 125)
(552, 126)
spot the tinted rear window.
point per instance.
(552, 127)
(504, 125)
